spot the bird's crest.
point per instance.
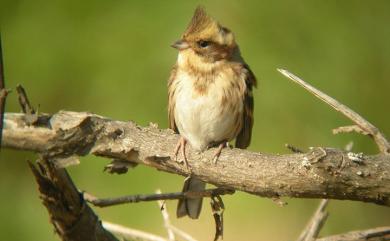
(204, 28)
(201, 23)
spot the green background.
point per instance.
(113, 58)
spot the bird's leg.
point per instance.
(181, 145)
(219, 150)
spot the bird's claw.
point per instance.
(218, 152)
(181, 144)
(215, 159)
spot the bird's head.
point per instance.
(206, 39)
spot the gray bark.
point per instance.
(321, 173)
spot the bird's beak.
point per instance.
(180, 45)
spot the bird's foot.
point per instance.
(219, 150)
(181, 145)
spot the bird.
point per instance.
(210, 99)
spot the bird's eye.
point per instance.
(203, 43)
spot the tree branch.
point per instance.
(131, 234)
(376, 234)
(167, 223)
(363, 124)
(3, 91)
(348, 129)
(165, 215)
(71, 217)
(310, 233)
(321, 173)
(105, 202)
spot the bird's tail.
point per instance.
(191, 206)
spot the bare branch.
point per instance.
(2, 84)
(321, 173)
(313, 228)
(24, 101)
(167, 222)
(217, 208)
(379, 138)
(182, 234)
(376, 234)
(3, 92)
(131, 234)
(293, 148)
(347, 129)
(105, 202)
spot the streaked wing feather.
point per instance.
(171, 102)
(244, 137)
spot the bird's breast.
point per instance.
(208, 110)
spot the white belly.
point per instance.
(201, 118)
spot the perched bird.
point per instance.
(210, 96)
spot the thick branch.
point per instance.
(321, 173)
(72, 218)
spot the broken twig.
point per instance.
(293, 148)
(381, 141)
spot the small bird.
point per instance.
(210, 96)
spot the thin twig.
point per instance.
(167, 222)
(293, 148)
(104, 202)
(217, 208)
(379, 138)
(24, 101)
(313, 228)
(2, 85)
(348, 129)
(3, 92)
(170, 228)
(131, 234)
(31, 115)
(375, 234)
(182, 234)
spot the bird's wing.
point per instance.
(244, 137)
(171, 102)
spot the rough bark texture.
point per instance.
(321, 173)
(71, 217)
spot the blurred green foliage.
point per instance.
(113, 58)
